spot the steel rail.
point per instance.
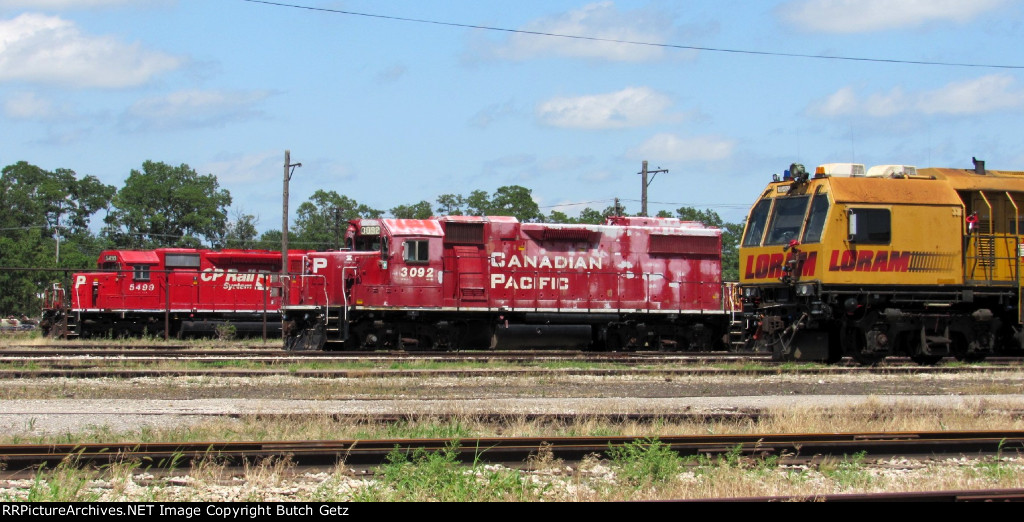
(518, 449)
(963, 495)
(94, 372)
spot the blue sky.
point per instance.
(392, 112)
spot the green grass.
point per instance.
(439, 476)
(645, 462)
(406, 429)
(848, 472)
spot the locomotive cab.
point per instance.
(883, 262)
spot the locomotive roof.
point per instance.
(479, 219)
(135, 257)
(413, 227)
(965, 179)
(888, 190)
(247, 257)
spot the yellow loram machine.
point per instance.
(891, 260)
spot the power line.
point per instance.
(685, 204)
(578, 204)
(634, 42)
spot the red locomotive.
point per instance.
(488, 282)
(174, 291)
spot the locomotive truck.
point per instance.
(459, 282)
(891, 260)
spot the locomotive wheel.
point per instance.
(961, 353)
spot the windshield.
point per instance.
(787, 219)
(755, 224)
(816, 221)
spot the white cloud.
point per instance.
(630, 107)
(977, 96)
(845, 102)
(29, 106)
(193, 109)
(600, 20)
(860, 16)
(49, 49)
(986, 94)
(667, 147)
(252, 169)
(67, 4)
(492, 113)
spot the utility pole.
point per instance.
(289, 170)
(337, 228)
(643, 190)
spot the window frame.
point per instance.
(816, 226)
(858, 222)
(420, 248)
(752, 221)
(140, 272)
(791, 218)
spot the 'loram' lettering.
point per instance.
(772, 265)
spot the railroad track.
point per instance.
(44, 353)
(979, 495)
(78, 372)
(790, 448)
(175, 351)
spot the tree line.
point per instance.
(51, 217)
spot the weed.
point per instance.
(226, 331)
(995, 468)
(848, 472)
(645, 462)
(66, 483)
(423, 475)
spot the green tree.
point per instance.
(322, 221)
(164, 205)
(595, 217)
(421, 210)
(510, 200)
(478, 203)
(514, 200)
(241, 232)
(271, 240)
(731, 233)
(47, 212)
(558, 217)
(451, 205)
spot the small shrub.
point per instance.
(646, 461)
(226, 331)
(848, 472)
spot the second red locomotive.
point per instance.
(487, 282)
(177, 292)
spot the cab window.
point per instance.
(816, 219)
(755, 225)
(870, 226)
(140, 272)
(787, 220)
(417, 251)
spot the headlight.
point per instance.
(805, 289)
(751, 292)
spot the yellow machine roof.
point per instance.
(965, 179)
(885, 190)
